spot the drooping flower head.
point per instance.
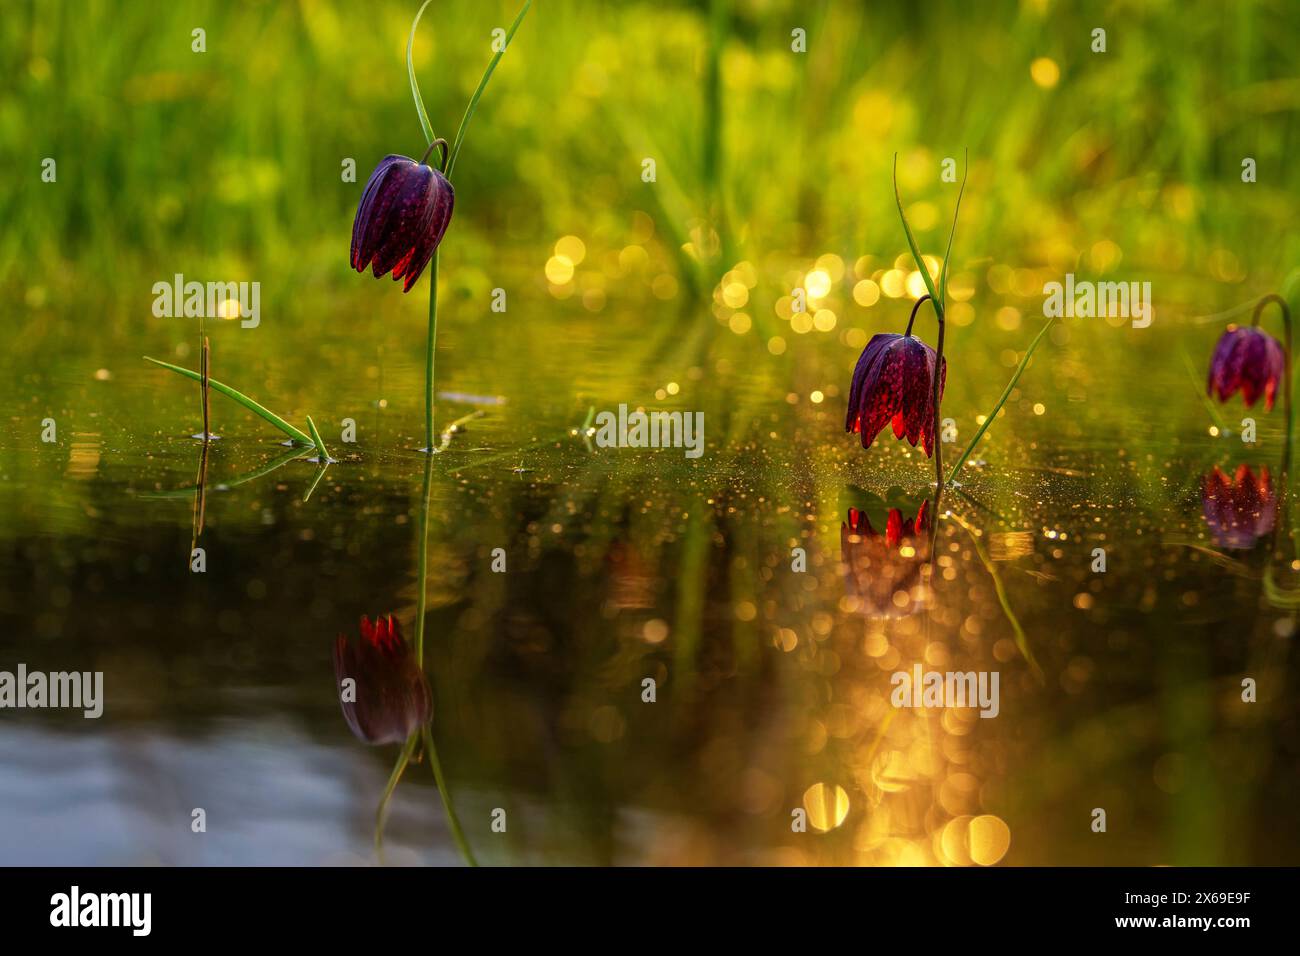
(883, 572)
(1246, 359)
(389, 698)
(403, 215)
(893, 383)
(1240, 510)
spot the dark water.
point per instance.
(772, 685)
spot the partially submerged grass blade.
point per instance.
(297, 434)
(318, 442)
(415, 87)
(1210, 410)
(482, 84)
(1001, 401)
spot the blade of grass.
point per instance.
(296, 434)
(482, 84)
(1215, 418)
(415, 87)
(911, 242)
(316, 440)
(943, 270)
(1001, 401)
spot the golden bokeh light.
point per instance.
(827, 805)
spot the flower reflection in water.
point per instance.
(387, 698)
(1239, 510)
(884, 571)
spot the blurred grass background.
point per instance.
(229, 161)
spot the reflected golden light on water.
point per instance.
(988, 839)
(827, 806)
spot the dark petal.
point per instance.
(1251, 358)
(440, 216)
(444, 199)
(364, 226)
(863, 373)
(407, 216)
(1275, 358)
(882, 399)
(1214, 382)
(918, 391)
(1225, 368)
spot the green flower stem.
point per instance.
(422, 585)
(296, 434)
(431, 351)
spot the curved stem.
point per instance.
(912, 318)
(441, 144)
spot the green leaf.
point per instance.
(482, 84)
(296, 434)
(415, 87)
(1001, 401)
(916, 253)
(943, 271)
